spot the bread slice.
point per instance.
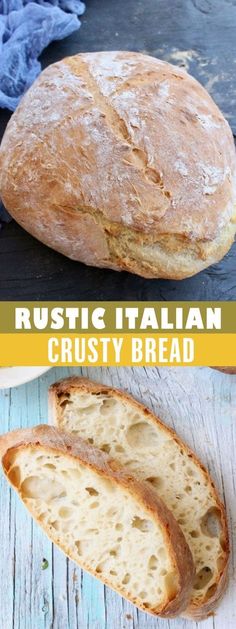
(105, 520)
(129, 432)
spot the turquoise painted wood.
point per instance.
(201, 404)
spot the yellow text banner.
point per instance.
(117, 349)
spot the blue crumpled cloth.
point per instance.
(26, 28)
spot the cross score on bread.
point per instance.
(116, 423)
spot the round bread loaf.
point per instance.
(120, 160)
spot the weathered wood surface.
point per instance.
(197, 34)
(201, 405)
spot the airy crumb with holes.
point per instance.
(104, 519)
(131, 434)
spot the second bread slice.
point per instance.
(101, 517)
(129, 432)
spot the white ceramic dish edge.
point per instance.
(15, 376)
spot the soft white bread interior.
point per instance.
(121, 160)
(129, 432)
(101, 517)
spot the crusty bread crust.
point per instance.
(59, 390)
(230, 370)
(132, 168)
(51, 439)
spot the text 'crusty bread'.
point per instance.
(120, 160)
(101, 517)
(114, 422)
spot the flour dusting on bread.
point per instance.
(89, 165)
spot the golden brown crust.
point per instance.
(50, 438)
(131, 169)
(58, 392)
(230, 370)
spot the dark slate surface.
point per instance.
(198, 34)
